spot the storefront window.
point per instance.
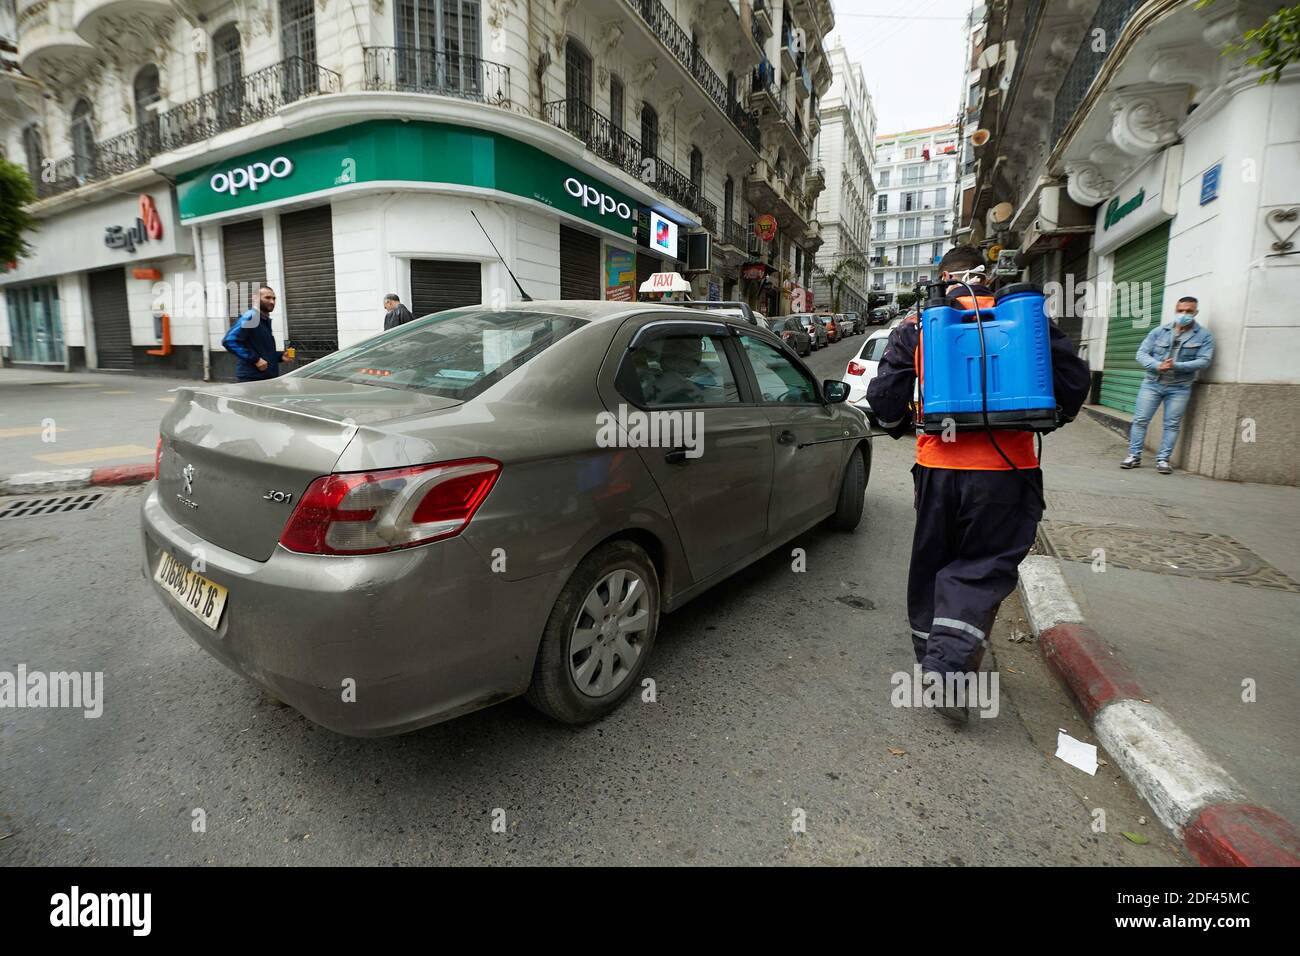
(35, 329)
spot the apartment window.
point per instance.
(728, 202)
(145, 89)
(227, 60)
(649, 131)
(697, 168)
(83, 137)
(439, 43)
(577, 76)
(880, 252)
(941, 197)
(973, 96)
(936, 252)
(911, 227)
(909, 152)
(616, 102)
(940, 225)
(35, 154)
(913, 174)
(298, 47)
(911, 201)
(882, 203)
(884, 179)
(908, 256)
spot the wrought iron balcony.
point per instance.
(254, 97)
(618, 147)
(1111, 18)
(735, 234)
(421, 70)
(679, 44)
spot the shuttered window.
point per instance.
(579, 265)
(1134, 311)
(307, 247)
(438, 285)
(244, 253)
(111, 318)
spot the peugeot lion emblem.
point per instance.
(187, 473)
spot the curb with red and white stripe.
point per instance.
(1190, 793)
(73, 479)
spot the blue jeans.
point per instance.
(1150, 396)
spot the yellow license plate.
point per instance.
(201, 597)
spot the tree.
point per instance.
(838, 278)
(905, 300)
(15, 192)
(1277, 41)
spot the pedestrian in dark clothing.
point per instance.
(976, 514)
(396, 314)
(252, 342)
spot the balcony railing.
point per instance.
(111, 157)
(618, 147)
(421, 70)
(679, 44)
(735, 234)
(254, 97)
(1111, 17)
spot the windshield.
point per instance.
(454, 354)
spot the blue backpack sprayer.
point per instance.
(986, 369)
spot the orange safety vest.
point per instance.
(971, 451)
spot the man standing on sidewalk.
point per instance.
(252, 342)
(395, 313)
(978, 500)
(1172, 355)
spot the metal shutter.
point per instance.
(307, 241)
(244, 253)
(1075, 264)
(112, 319)
(1140, 262)
(437, 285)
(646, 266)
(579, 265)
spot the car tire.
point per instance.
(853, 490)
(554, 689)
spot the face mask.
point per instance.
(1184, 319)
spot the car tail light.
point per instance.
(787, 336)
(857, 368)
(373, 511)
(157, 459)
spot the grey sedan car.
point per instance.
(487, 503)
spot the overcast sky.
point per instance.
(912, 54)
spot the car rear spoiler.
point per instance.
(744, 308)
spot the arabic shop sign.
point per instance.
(1116, 213)
(147, 226)
(391, 151)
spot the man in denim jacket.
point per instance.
(1172, 355)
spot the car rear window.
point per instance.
(874, 349)
(454, 354)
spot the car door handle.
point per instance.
(786, 437)
(676, 457)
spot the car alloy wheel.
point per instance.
(608, 636)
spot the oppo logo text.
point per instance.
(591, 196)
(250, 176)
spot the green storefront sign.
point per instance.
(383, 151)
(1115, 213)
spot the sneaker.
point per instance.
(956, 715)
(1163, 468)
(1132, 461)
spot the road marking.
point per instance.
(87, 455)
(80, 385)
(167, 400)
(27, 430)
(120, 391)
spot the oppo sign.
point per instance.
(591, 196)
(250, 176)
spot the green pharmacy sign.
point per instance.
(390, 151)
(1115, 213)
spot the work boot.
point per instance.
(1163, 468)
(1132, 461)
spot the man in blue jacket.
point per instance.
(252, 342)
(1172, 355)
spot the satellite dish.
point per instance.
(989, 58)
(980, 137)
(994, 252)
(1003, 211)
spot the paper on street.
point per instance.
(1076, 753)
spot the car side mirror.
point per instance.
(835, 392)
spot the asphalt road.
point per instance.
(773, 707)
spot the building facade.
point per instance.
(911, 224)
(1134, 160)
(185, 152)
(846, 154)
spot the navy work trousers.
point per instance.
(973, 528)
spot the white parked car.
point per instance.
(862, 367)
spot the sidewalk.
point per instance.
(1196, 584)
(99, 419)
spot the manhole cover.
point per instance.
(1189, 554)
(56, 504)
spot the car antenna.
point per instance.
(526, 296)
